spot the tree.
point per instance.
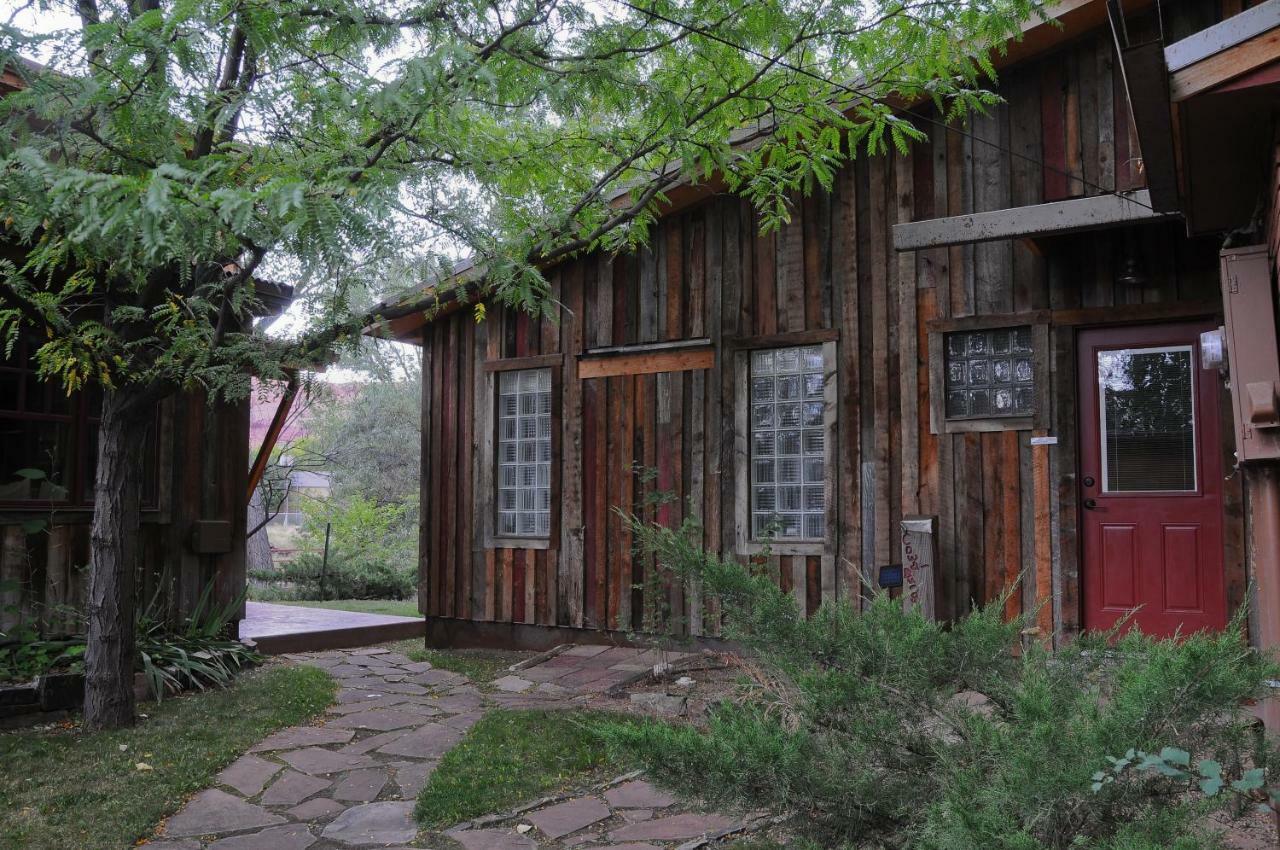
(178, 150)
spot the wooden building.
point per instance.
(195, 488)
(195, 497)
(999, 329)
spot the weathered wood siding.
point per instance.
(1007, 510)
(202, 455)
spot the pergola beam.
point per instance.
(1053, 219)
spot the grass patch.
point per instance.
(478, 665)
(510, 757)
(65, 790)
(391, 607)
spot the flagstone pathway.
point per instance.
(352, 781)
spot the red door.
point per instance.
(1150, 480)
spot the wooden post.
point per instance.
(919, 540)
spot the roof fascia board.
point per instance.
(1223, 36)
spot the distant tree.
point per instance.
(177, 150)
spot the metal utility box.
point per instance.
(1253, 358)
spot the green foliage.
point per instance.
(24, 655)
(71, 790)
(882, 729)
(161, 146)
(195, 653)
(370, 556)
(1206, 775)
(511, 757)
(372, 442)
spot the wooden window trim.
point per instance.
(84, 418)
(787, 339)
(536, 361)
(488, 440)
(1038, 321)
(744, 544)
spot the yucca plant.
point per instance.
(196, 652)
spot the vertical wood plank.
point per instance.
(570, 566)
(844, 286)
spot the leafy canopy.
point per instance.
(176, 149)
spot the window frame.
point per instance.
(489, 452)
(1038, 322)
(83, 418)
(746, 543)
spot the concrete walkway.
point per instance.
(294, 628)
(352, 780)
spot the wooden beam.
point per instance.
(1223, 67)
(646, 363)
(1223, 36)
(273, 433)
(1053, 219)
(1145, 80)
(533, 361)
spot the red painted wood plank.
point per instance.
(1053, 128)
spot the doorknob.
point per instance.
(1091, 504)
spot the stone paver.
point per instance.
(373, 824)
(215, 811)
(248, 774)
(382, 720)
(317, 760)
(492, 839)
(361, 786)
(560, 820)
(674, 828)
(298, 737)
(292, 788)
(295, 836)
(352, 780)
(638, 794)
(430, 741)
(316, 809)
(513, 684)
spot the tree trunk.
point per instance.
(259, 547)
(114, 547)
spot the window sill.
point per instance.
(978, 426)
(518, 543)
(783, 547)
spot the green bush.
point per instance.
(349, 577)
(370, 555)
(194, 652)
(878, 728)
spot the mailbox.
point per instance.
(1253, 359)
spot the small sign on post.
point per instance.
(919, 556)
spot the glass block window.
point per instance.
(524, 453)
(788, 444)
(989, 373)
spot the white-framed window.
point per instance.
(790, 417)
(523, 473)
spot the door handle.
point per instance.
(1091, 504)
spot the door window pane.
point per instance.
(524, 452)
(788, 447)
(1147, 401)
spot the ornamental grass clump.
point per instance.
(877, 728)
